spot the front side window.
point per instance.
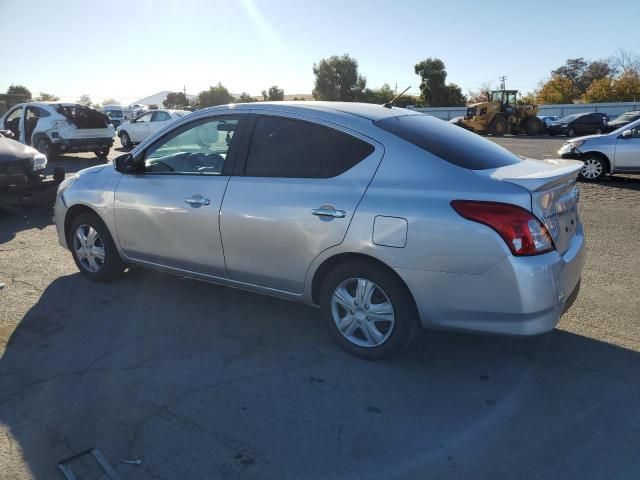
(160, 117)
(285, 147)
(16, 114)
(199, 148)
(144, 118)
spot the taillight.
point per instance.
(523, 233)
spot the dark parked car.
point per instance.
(22, 179)
(622, 120)
(579, 124)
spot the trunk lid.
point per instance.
(554, 194)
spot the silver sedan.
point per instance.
(385, 218)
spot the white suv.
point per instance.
(54, 127)
(138, 128)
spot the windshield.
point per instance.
(114, 113)
(571, 118)
(449, 142)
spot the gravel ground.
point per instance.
(200, 381)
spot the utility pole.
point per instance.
(503, 82)
(184, 90)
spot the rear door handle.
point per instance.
(197, 201)
(329, 212)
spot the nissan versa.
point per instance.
(385, 218)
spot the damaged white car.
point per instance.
(55, 128)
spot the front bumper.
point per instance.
(60, 213)
(30, 193)
(519, 296)
(571, 155)
(83, 144)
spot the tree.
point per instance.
(246, 98)
(623, 61)
(153, 106)
(217, 95)
(601, 90)
(434, 90)
(380, 96)
(175, 100)
(337, 78)
(110, 101)
(274, 94)
(582, 73)
(85, 100)
(19, 90)
(557, 90)
(46, 97)
(627, 87)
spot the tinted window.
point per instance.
(198, 148)
(449, 142)
(283, 147)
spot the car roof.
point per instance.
(368, 111)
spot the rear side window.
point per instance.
(449, 142)
(284, 147)
(160, 116)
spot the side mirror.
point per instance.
(627, 134)
(125, 164)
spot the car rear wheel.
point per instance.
(593, 170)
(125, 140)
(571, 132)
(598, 131)
(102, 153)
(369, 311)
(93, 248)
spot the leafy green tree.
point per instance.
(435, 91)
(274, 94)
(582, 73)
(246, 98)
(601, 90)
(19, 90)
(46, 97)
(217, 95)
(337, 78)
(627, 87)
(175, 100)
(382, 95)
(85, 100)
(153, 106)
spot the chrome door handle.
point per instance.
(197, 201)
(329, 212)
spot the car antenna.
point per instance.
(390, 104)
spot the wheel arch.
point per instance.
(73, 212)
(330, 263)
(602, 156)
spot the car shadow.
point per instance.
(199, 381)
(626, 182)
(12, 222)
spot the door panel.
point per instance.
(154, 223)
(169, 215)
(269, 230)
(628, 153)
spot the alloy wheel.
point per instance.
(363, 312)
(89, 248)
(592, 169)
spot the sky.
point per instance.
(127, 49)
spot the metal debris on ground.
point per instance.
(97, 455)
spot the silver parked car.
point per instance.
(386, 218)
(615, 152)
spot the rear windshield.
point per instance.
(83, 117)
(449, 142)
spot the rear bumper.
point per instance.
(83, 144)
(519, 296)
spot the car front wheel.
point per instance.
(593, 170)
(93, 249)
(369, 311)
(125, 140)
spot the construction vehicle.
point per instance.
(501, 114)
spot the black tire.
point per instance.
(103, 152)
(533, 126)
(571, 132)
(44, 146)
(595, 168)
(598, 131)
(405, 316)
(112, 265)
(499, 126)
(125, 140)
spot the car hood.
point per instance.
(586, 137)
(94, 169)
(12, 151)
